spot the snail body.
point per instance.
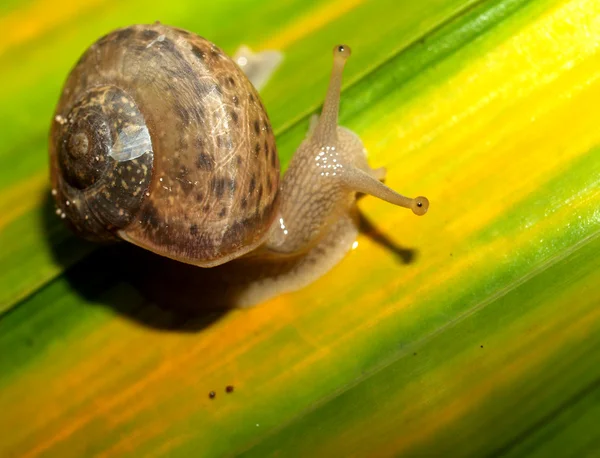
(161, 140)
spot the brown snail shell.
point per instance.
(160, 139)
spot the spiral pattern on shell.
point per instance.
(104, 155)
(160, 139)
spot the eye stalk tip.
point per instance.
(342, 51)
(420, 205)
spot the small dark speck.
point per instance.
(415, 354)
(450, 254)
(482, 346)
(229, 389)
(149, 34)
(102, 39)
(218, 186)
(419, 204)
(198, 52)
(205, 162)
(124, 34)
(212, 394)
(256, 126)
(224, 142)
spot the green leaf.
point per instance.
(472, 331)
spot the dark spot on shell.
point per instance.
(241, 229)
(200, 197)
(102, 39)
(223, 212)
(206, 208)
(204, 161)
(186, 185)
(236, 232)
(218, 186)
(269, 183)
(244, 203)
(229, 389)
(165, 45)
(149, 34)
(198, 52)
(273, 159)
(252, 186)
(251, 97)
(234, 117)
(267, 149)
(212, 394)
(194, 229)
(238, 160)
(256, 149)
(224, 142)
(124, 34)
(256, 126)
(231, 81)
(183, 172)
(150, 216)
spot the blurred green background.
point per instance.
(472, 331)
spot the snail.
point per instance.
(162, 140)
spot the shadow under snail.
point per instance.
(160, 139)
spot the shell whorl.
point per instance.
(104, 158)
(213, 174)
